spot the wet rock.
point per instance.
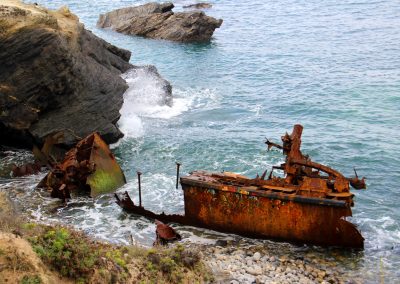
(56, 76)
(221, 243)
(202, 5)
(156, 20)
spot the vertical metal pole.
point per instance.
(177, 174)
(140, 188)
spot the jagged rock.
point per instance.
(56, 76)
(201, 5)
(155, 20)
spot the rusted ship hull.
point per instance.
(266, 214)
(307, 205)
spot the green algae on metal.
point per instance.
(108, 175)
(89, 166)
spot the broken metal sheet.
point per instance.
(269, 214)
(165, 233)
(127, 204)
(107, 175)
(90, 166)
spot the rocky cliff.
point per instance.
(156, 20)
(56, 76)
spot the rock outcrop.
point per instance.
(155, 20)
(56, 76)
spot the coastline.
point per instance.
(222, 262)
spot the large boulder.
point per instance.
(156, 20)
(56, 76)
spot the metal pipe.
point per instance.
(177, 174)
(140, 188)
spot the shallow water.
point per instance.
(333, 66)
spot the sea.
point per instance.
(332, 66)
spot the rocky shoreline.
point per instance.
(236, 263)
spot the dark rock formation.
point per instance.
(201, 5)
(155, 20)
(56, 76)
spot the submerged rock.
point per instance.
(56, 76)
(156, 20)
(201, 5)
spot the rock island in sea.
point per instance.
(156, 20)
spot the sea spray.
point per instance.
(147, 97)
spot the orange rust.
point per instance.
(275, 215)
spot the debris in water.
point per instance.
(26, 169)
(89, 166)
(165, 234)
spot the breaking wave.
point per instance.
(145, 97)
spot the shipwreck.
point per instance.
(308, 204)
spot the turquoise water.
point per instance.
(333, 66)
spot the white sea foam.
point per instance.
(145, 98)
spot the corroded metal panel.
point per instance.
(90, 166)
(262, 217)
(108, 175)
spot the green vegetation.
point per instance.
(75, 256)
(35, 279)
(173, 265)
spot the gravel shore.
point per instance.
(255, 264)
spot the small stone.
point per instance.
(283, 259)
(249, 262)
(255, 270)
(321, 274)
(239, 252)
(257, 256)
(314, 274)
(272, 258)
